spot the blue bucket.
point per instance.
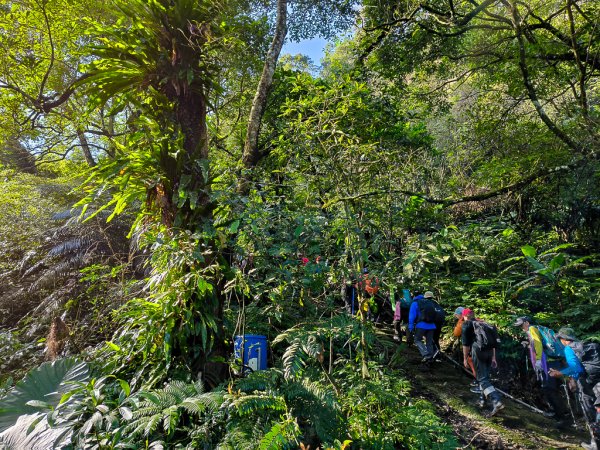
(252, 350)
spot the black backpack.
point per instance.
(486, 335)
(427, 310)
(589, 355)
(440, 314)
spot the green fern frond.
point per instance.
(70, 246)
(170, 419)
(248, 404)
(197, 405)
(152, 424)
(293, 360)
(281, 435)
(147, 411)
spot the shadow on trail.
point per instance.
(515, 427)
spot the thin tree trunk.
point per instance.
(85, 148)
(250, 157)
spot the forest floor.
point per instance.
(515, 427)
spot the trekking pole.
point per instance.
(520, 402)
(583, 409)
(569, 404)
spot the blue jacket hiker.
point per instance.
(588, 393)
(421, 322)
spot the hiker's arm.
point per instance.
(494, 363)
(574, 367)
(466, 351)
(412, 315)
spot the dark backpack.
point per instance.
(552, 345)
(427, 310)
(440, 314)
(589, 355)
(486, 335)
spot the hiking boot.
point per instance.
(481, 402)
(396, 337)
(591, 446)
(496, 407)
(474, 383)
(475, 390)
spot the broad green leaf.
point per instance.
(46, 383)
(529, 251)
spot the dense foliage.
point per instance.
(442, 146)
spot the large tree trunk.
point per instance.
(251, 155)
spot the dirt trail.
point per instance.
(515, 427)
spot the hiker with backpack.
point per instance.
(457, 333)
(546, 352)
(421, 323)
(583, 365)
(480, 340)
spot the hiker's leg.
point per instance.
(482, 360)
(429, 342)
(397, 330)
(551, 390)
(436, 336)
(419, 335)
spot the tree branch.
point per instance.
(445, 202)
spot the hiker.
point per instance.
(480, 339)
(546, 352)
(587, 385)
(369, 284)
(421, 324)
(397, 322)
(458, 334)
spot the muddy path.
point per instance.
(515, 427)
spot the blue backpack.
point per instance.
(552, 345)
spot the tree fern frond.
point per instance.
(248, 404)
(281, 435)
(70, 246)
(35, 268)
(199, 386)
(152, 424)
(170, 419)
(62, 215)
(199, 404)
(147, 411)
(293, 360)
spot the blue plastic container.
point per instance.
(252, 350)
